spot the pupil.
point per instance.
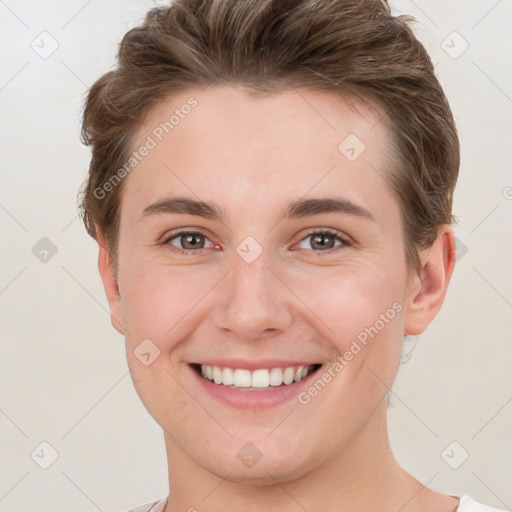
(320, 240)
(189, 240)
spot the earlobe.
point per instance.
(110, 285)
(428, 288)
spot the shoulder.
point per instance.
(154, 506)
(468, 504)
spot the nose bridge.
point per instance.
(254, 302)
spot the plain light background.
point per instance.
(63, 368)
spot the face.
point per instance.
(257, 243)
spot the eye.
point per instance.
(323, 241)
(188, 242)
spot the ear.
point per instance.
(428, 286)
(110, 284)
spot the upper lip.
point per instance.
(252, 365)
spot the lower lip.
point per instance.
(243, 399)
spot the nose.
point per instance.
(253, 303)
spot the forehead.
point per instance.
(222, 143)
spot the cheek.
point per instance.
(352, 299)
(363, 309)
(160, 306)
(159, 301)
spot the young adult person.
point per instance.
(271, 190)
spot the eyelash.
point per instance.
(345, 242)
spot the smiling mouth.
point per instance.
(257, 380)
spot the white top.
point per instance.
(467, 504)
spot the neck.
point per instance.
(363, 476)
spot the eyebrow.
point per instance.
(295, 209)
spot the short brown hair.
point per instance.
(350, 48)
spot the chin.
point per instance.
(243, 465)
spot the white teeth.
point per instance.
(242, 378)
(259, 379)
(228, 377)
(217, 375)
(276, 377)
(288, 375)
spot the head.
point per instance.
(314, 156)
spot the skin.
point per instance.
(295, 301)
